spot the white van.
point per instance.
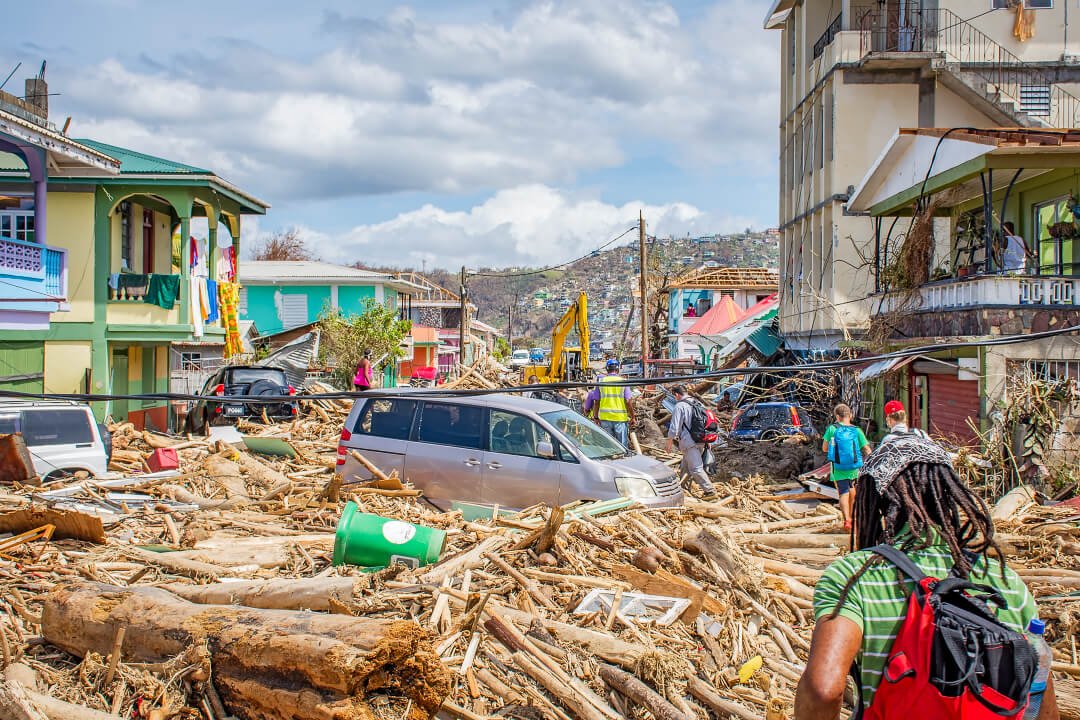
(62, 436)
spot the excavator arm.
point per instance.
(576, 315)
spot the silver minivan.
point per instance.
(498, 449)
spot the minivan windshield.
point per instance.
(593, 442)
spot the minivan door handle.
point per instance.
(84, 445)
(494, 465)
(472, 462)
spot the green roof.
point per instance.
(765, 339)
(132, 162)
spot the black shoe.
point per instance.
(709, 497)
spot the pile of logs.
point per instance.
(234, 609)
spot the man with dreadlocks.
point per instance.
(910, 498)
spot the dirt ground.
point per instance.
(780, 461)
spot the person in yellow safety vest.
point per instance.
(612, 404)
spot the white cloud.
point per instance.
(531, 225)
(402, 103)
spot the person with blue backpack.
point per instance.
(847, 447)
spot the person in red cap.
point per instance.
(896, 419)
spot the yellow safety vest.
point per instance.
(612, 402)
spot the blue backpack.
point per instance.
(844, 450)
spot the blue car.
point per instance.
(770, 420)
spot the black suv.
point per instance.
(241, 380)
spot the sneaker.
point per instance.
(709, 497)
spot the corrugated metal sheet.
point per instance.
(951, 403)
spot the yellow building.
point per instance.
(134, 288)
(851, 75)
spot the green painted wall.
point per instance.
(351, 297)
(22, 359)
(263, 310)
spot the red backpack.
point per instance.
(952, 658)
(703, 425)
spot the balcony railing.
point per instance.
(992, 69)
(33, 272)
(829, 35)
(987, 291)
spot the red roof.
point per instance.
(719, 318)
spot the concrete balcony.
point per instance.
(33, 283)
(983, 305)
(986, 291)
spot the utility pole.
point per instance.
(510, 323)
(463, 323)
(643, 289)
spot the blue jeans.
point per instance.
(619, 430)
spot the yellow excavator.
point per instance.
(567, 362)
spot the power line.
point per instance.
(560, 265)
(836, 364)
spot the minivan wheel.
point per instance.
(64, 474)
(770, 435)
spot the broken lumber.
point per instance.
(305, 594)
(267, 663)
(642, 694)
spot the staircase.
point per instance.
(969, 62)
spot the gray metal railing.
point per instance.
(908, 27)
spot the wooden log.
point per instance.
(371, 467)
(59, 710)
(787, 541)
(805, 574)
(306, 594)
(1067, 692)
(226, 473)
(184, 495)
(604, 645)
(642, 694)
(269, 663)
(704, 692)
(177, 565)
(15, 703)
(259, 471)
(528, 585)
(472, 559)
(16, 465)
(582, 708)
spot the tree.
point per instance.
(344, 338)
(502, 349)
(286, 244)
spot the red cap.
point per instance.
(893, 406)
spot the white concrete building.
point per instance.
(852, 74)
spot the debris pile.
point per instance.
(209, 592)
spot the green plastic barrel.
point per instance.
(373, 541)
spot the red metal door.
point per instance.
(951, 403)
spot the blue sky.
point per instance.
(479, 133)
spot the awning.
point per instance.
(880, 367)
(765, 340)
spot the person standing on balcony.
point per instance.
(1016, 251)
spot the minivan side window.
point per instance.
(386, 417)
(56, 427)
(448, 424)
(515, 435)
(9, 424)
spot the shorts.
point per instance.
(843, 486)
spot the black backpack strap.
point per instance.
(900, 559)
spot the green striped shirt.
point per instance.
(878, 602)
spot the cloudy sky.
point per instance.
(478, 133)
